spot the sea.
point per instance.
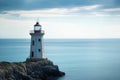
(80, 59)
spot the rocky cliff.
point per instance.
(39, 70)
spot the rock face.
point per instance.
(40, 70)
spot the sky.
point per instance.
(74, 19)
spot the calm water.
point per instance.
(82, 59)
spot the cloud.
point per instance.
(6, 5)
(62, 16)
(53, 12)
(39, 4)
(58, 8)
(112, 9)
(100, 14)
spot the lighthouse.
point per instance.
(36, 46)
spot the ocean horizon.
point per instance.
(80, 59)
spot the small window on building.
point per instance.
(39, 40)
(33, 42)
(39, 50)
(32, 55)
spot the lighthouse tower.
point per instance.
(36, 47)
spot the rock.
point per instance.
(29, 70)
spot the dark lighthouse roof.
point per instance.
(37, 24)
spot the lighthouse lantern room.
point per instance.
(36, 47)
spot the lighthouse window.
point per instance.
(39, 50)
(32, 54)
(39, 39)
(33, 42)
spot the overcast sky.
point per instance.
(61, 18)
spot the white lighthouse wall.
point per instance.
(36, 46)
